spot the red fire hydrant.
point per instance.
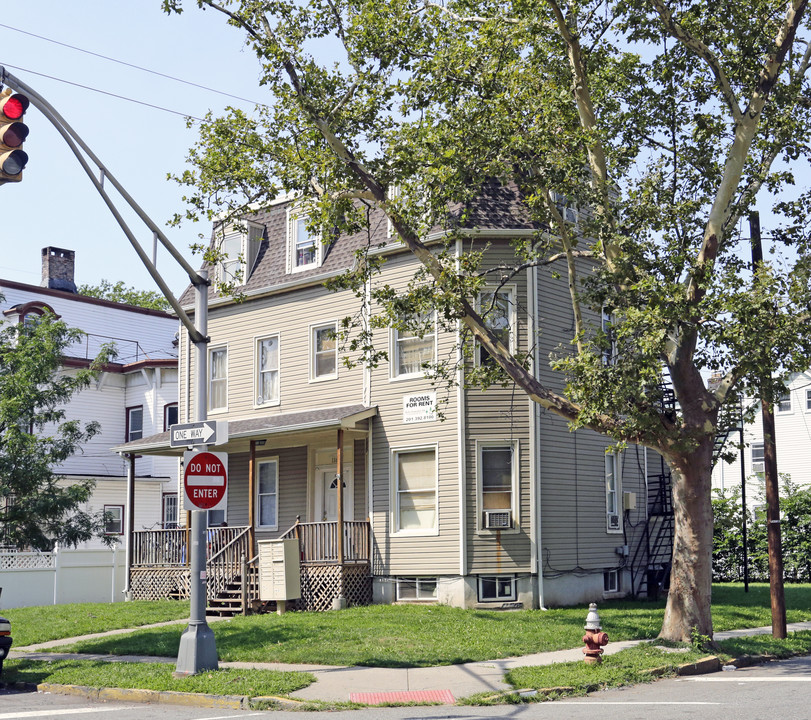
(594, 638)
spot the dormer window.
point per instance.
(30, 314)
(239, 245)
(303, 247)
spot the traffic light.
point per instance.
(12, 135)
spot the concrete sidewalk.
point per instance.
(335, 683)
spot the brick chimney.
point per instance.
(57, 269)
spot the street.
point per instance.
(779, 689)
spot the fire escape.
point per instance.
(652, 557)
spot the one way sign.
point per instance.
(207, 432)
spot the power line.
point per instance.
(104, 92)
(126, 64)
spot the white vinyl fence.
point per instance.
(62, 576)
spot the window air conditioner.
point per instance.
(497, 519)
(613, 522)
(758, 467)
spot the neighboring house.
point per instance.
(792, 423)
(135, 394)
(499, 503)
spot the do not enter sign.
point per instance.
(205, 479)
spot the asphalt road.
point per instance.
(776, 690)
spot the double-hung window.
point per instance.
(808, 400)
(303, 247)
(414, 347)
(612, 493)
(324, 352)
(759, 459)
(218, 378)
(113, 519)
(497, 477)
(267, 370)
(497, 308)
(415, 482)
(231, 267)
(169, 415)
(784, 403)
(135, 423)
(267, 493)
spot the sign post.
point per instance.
(198, 649)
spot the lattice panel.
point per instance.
(320, 585)
(159, 583)
(27, 561)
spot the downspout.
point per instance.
(460, 409)
(130, 525)
(535, 440)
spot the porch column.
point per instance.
(340, 601)
(252, 497)
(130, 525)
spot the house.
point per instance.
(792, 423)
(492, 503)
(133, 396)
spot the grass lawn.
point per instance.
(32, 625)
(154, 676)
(426, 635)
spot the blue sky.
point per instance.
(56, 204)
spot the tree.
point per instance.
(35, 510)
(118, 292)
(660, 123)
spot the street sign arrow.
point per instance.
(206, 432)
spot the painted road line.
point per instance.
(56, 713)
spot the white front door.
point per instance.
(327, 496)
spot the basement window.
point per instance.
(412, 589)
(496, 588)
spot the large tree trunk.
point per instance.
(688, 603)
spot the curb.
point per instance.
(159, 697)
(702, 666)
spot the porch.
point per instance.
(333, 564)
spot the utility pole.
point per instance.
(778, 599)
(198, 651)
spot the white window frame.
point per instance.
(258, 495)
(211, 379)
(757, 456)
(606, 322)
(418, 582)
(498, 580)
(482, 445)
(138, 434)
(611, 582)
(613, 491)
(808, 400)
(396, 492)
(222, 523)
(395, 344)
(114, 509)
(250, 236)
(314, 330)
(170, 510)
(294, 216)
(784, 398)
(511, 291)
(257, 385)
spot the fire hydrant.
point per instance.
(594, 638)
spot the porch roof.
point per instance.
(241, 431)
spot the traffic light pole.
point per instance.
(198, 651)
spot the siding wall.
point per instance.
(503, 414)
(575, 539)
(400, 553)
(793, 433)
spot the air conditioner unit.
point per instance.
(497, 519)
(613, 522)
(758, 467)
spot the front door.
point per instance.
(327, 496)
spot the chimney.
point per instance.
(57, 269)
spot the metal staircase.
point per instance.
(650, 564)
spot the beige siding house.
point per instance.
(491, 503)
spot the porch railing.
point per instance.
(167, 548)
(318, 541)
(224, 565)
